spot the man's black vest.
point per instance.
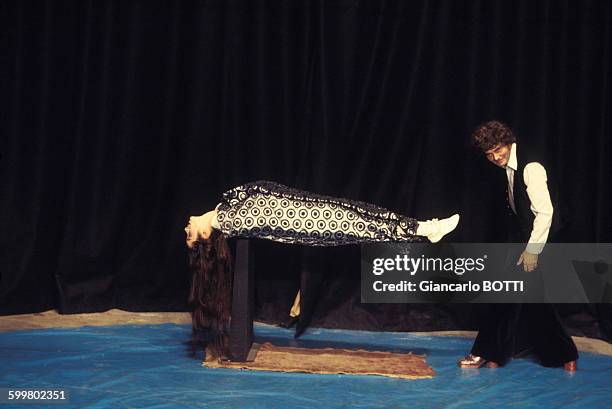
(522, 203)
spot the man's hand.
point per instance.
(529, 261)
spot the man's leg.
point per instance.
(496, 341)
(496, 335)
(552, 345)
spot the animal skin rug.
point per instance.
(333, 361)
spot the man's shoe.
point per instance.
(570, 366)
(440, 228)
(473, 361)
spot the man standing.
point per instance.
(510, 329)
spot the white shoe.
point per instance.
(436, 229)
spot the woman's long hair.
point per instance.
(210, 296)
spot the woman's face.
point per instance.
(198, 228)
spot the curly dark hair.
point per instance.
(490, 134)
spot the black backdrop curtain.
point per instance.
(121, 118)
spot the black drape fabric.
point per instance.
(121, 118)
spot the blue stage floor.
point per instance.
(148, 366)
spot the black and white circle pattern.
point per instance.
(273, 211)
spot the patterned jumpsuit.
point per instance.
(272, 211)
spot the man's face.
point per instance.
(499, 155)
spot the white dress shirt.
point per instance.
(534, 176)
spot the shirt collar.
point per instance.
(512, 161)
